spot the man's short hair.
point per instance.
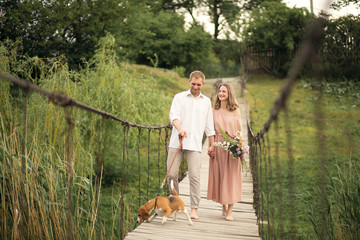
(197, 74)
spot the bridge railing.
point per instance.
(275, 177)
(22, 203)
(274, 193)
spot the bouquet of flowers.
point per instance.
(234, 145)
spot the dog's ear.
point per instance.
(140, 214)
(145, 215)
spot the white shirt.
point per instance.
(195, 116)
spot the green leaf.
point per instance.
(225, 135)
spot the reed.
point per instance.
(55, 197)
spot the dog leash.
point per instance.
(163, 182)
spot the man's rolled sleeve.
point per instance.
(175, 110)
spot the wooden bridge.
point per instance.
(212, 225)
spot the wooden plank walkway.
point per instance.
(212, 224)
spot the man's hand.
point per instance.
(211, 148)
(182, 133)
(177, 125)
(211, 151)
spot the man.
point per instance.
(191, 116)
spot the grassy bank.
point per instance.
(60, 169)
(336, 165)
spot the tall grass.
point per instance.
(340, 140)
(345, 202)
(35, 202)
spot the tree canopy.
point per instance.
(51, 28)
(341, 47)
(147, 32)
(161, 37)
(153, 32)
(343, 3)
(224, 13)
(275, 26)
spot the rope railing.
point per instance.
(265, 167)
(69, 104)
(63, 100)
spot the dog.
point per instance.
(165, 206)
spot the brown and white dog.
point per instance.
(164, 207)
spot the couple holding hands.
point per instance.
(191, 114)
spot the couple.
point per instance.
(191, 115)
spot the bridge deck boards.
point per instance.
(212, 224)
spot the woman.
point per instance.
(225, 178)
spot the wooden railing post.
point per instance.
(99, 170)
(69, 156)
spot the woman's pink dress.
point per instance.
(225, 177)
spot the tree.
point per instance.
(50, 28)
(277, 27)
(229, 10)
(149, 38)
(343, 3)
(224, 13)
(176, 4)
(340, 47)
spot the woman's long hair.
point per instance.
(231, 104)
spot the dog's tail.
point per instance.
(172, 188)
